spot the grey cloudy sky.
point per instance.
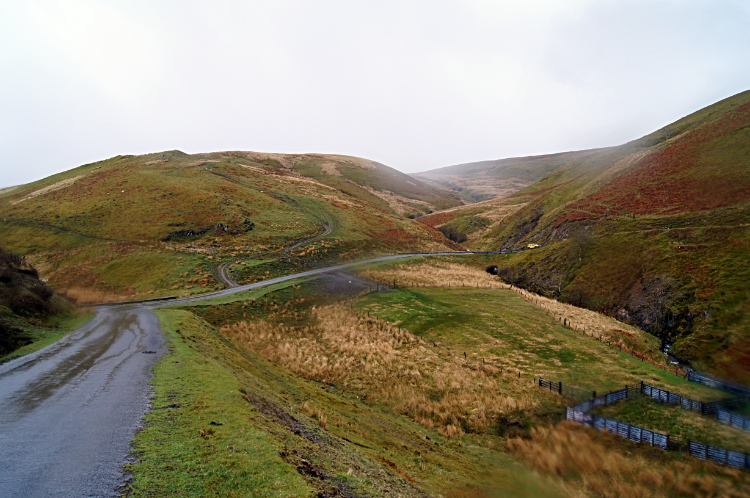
(413, 84)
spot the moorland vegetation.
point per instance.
(426, 381)
(653, 232)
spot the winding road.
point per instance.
(223, 269)
(69, 411)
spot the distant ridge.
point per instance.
(494, 178)
(655, 231)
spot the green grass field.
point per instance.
(180, 452)
(504, 329)
(280, 428)
(271, 439)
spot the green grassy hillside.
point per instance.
(361, 178)
(654, 231)
(488, 179)
(161, 223)
(408, 392)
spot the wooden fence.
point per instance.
(579, 413)
(609, 398)
(719, 455)
(734, 419)
(691, 404)
(566, 390)
(628, 431)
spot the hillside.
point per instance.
(488, 179)
(162, 223)
(404, 194)
(654, 231)
(409, 392)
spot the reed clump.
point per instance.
(433, 274)
(381, 362)
(605, 466)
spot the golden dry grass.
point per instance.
(434, 274)
(400, 204)
(384, 363)
(330, 168)
(590, 463)
(584, 321)
(605, 328)
(88, 295)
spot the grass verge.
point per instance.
(197, 440)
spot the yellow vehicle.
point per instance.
(532, 246)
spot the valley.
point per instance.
(324, 325)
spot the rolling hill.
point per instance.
(488, 179)
(654, 232)
(162, 223)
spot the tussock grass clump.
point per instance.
(384, 363)
(604, 466)
(433, 274)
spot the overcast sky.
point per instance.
(416, 85)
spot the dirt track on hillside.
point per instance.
(223, 269)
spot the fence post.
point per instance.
(593, 395)
(559, 388)
(641, 387)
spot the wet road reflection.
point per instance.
(69, 411)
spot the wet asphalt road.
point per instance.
(69, 411)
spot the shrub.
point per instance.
(453, 234)
(25, 303)
(12, 338)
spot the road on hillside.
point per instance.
(69, 411)
(310, 273)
